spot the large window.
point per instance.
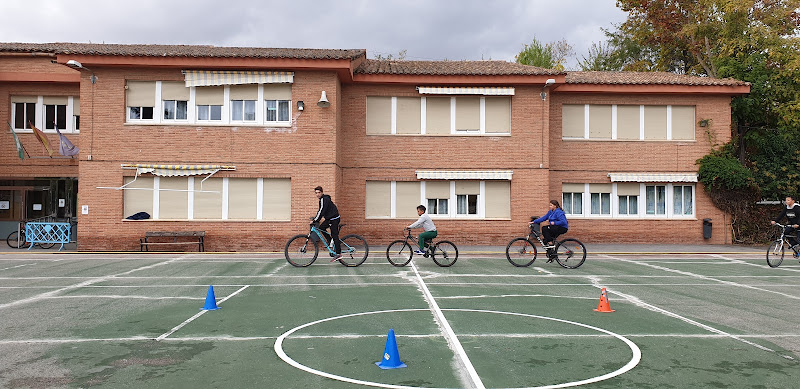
(438, 115)
(656, 199)
(624, 200)
(46, 113)
(243, 110)
(24, 114)
(628, 205)
(682, 200)
(473, 199)
(175, 109)
(628, 122)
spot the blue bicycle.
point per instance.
(302, 250)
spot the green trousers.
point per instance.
(425, 238)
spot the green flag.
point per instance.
(20, 150)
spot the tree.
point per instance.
(545, 55)
(401, 56)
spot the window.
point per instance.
(655, 199)
(628, 205)
(175, 109)
(682, 203)
(437, 207)
(627, 122)
(243, 110)
(141, 99)
(277, 110)
(209, 112)
(601, 204)
(572, 203)
(140, 113)
(467, 204)
(24, 113)
(55, 116)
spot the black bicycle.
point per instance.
(569, 253)
(779, 247)
(399, 253)
(17, 240)
(302, 250)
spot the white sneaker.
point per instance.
(419, 252)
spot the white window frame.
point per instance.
(656, 202)
(610, 204)
(277, 112)
(572, 203)
(587, 120)
(451, 210)
(453, 131)
(164, 118)
(38, 118)
(198, 120)
(630, 214)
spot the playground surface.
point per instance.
(718, 318)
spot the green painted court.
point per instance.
(134, 320)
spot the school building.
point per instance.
(232, 141)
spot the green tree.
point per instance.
(551, 55)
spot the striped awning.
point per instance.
(467, 90)
(653, 177)
(177, 170)
(234, 77)
(464, 174)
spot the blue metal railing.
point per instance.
(47, 232)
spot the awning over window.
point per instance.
(653, 177)
(232, 77)
(464, 174)
(466, 90)
(177, 170)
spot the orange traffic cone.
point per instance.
(603, 305)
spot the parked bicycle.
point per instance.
(302, 250)
(399, 253)
(17, 240)
(779, 247)
(569, 253)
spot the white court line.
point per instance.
(14, 267)
(115, 296)
(84, 284)
(739, 261)
(189, 320)
(449, 335)
(481, 296)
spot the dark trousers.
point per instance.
(791, 231)
(334, 225)
(551, 232)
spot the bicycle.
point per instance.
(778, 247)
(399, 253)
(300, 254)
(570, 253)
(17, 240)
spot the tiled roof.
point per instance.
(451, 68)
(179, 51)
(647, 78)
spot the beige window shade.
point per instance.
(174, 91)
(209, 95)
(468, 113)
(683, 122)
(277, 204)
(407, 199)
(468, 187)
(437, 115)
(599, 121)
(379, 115)
(244, 92)
(277, 91)
(379, 199)
(437, 189)
(141, 94)
(24, 99)
(242, 198)
(76, 106)
(498, 199)
(572, 188)
(138, 200)
(655, 122)
(171, 204)
(628, 123)
(573, 122)
(208, 205)
(54, 100)
(627, 189)
(498, 114)
(409, 115)
(599, 188)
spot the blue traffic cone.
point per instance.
(211, 301)
(391, 358)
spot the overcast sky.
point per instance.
(427, 29)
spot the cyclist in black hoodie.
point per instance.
(792, 215)
(328, 210)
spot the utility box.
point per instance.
(707, 228)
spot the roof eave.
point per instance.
(655, 89)
(456, 79)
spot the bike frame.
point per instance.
(784, 239)
(411, 237)
(316, 230)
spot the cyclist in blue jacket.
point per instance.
(557, 224)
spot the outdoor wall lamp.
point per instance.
(323, 101)
(300, 105)
(77, 65)
(550, 81)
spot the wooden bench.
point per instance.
(161, 238)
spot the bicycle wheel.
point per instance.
(399, 253)
(354, 250)
(445, 253)
(775, 253)
(15, 243)
(570, 253)
(300, 251)
(521, 252)
(45, 245)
